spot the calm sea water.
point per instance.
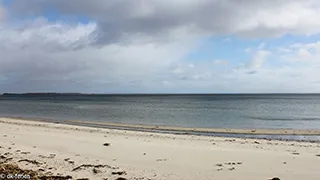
(209, 111)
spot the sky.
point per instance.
(160, 46)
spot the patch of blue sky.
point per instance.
(6, 2)
(227, 48)
(53, 16)
(233, 49)
(287, 40)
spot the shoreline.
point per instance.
(298, 135)
(55, 149)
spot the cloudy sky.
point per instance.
(160, 46)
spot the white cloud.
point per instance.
(309, 46)
(220, 62)
(283, 50)
(131, 46)
(302, 52)
(191, 65)
(258, 59)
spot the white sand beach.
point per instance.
(60, 149)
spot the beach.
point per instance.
(96, 153)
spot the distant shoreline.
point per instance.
(150, 94)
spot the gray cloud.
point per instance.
(156, 20)
(2, 13)
(44, 56)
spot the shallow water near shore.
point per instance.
(246, 111)
(282, 137)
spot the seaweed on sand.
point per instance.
(28, 174)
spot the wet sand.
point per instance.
(96, 153)
(203, 130)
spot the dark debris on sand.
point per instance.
(96, 171)
(55, 177)
(4, 158)
(275, 178)
(121, 178)
(14, 169)
(93, 166)
(119, 173)
(106, 144)
(25, 152)
(30, 161)
(161, 159)
(51, 156)
(32, 175)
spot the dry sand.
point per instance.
(61, 149)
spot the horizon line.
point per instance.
(74, 93)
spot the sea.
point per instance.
(236, 111)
